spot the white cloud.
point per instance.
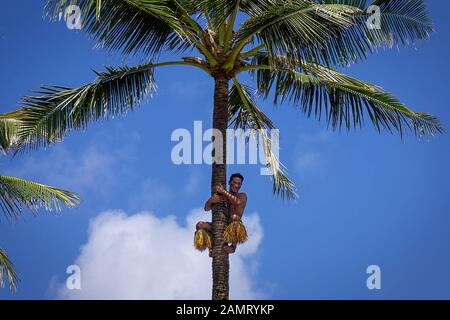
(146, 257)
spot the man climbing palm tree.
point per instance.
(235, 202)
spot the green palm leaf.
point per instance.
(245, 114)
(8, 131)
(48, 117)
(15, 192)
(334, 32)
(343, 99)
(302, 28)
(7, 272)
(402, 22)
(130, 26)
(243, 109)
(219, 11)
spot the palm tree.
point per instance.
(15, 193)
(291, 48)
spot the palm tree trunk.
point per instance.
(220, 262)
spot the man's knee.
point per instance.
(235, 217)
(200, 225)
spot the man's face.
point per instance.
(235, 184)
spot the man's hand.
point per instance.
(216, 199)
(218, 189)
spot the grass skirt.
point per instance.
(202, 240)
(235, 232)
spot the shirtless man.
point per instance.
(236, 204)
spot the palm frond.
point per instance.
(361, 4)
(243, 109)
(343, 99)
(223, 8)
(129, 26)
(48, 117)
(16, 192)
(218, 11)
(245, 114)
(402, 21)
(7, 272)
(302, 28)
(8, 131)
(335, 32)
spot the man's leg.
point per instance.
(230, 247)
(204, 225)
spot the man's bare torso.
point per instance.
(232, 208)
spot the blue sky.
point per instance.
(365, 198)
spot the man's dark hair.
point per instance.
(236, 175)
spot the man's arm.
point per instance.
(208, 205)
(215, 198)
(233, 199)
